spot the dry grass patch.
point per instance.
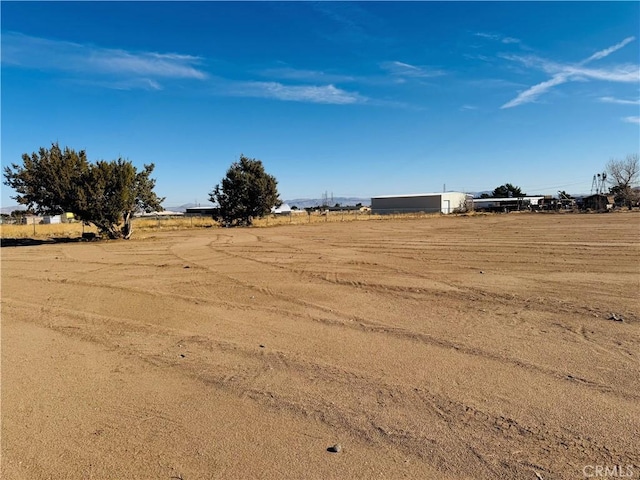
(146, 224)
(42, 230)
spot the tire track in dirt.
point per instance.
(359, 323)
(458, 291)
(115, 334)
(468, 427)
(354, 322)
(477, 433)
(454, 290)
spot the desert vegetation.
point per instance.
(161, 223)
(245, 193)
(108, 195)
(623, 175)
(104, 193)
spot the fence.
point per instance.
(38, 229)
(343, 215)
(173, 222)
(185, 222)
(44, 230)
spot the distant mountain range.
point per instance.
(8, 210)
(298, 202)
(183, 208)
(315, 202)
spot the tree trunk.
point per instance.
(127, 229)
(109, 230)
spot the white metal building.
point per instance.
(51, 219)
(445, 202)
(508, 204)
(283, 209)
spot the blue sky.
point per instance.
(354, 98)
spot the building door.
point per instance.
(446, 205)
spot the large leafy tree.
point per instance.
(623, 176)
(507, 191)
(105, 193)
(246, 192)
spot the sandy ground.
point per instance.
(445, 348)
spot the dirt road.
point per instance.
(448, 348)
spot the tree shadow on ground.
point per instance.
(30, 242)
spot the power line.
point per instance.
(554, 186)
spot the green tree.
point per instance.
(507, 190)
(107, 194)
(20, 213)
(246, 192)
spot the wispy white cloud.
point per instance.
(534, 92)
(608, 51)
(563, 73)
(327, 94)
(302, 75)
(490, 36)
(493, 83)
(153, 64)
(619, 101)
(617, 73)
(480, 57)
(631, 120)
(406, 70)
(498, 37)
(126, 70)
(622, 73)
(115, 84)
(527, 60)
(350, 24)
(510, 40)
(91, 61)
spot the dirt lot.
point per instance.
(448, 348)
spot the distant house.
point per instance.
(51, 219)
(30, 220)
(202, 211)
(597, 202)
(163, 213)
